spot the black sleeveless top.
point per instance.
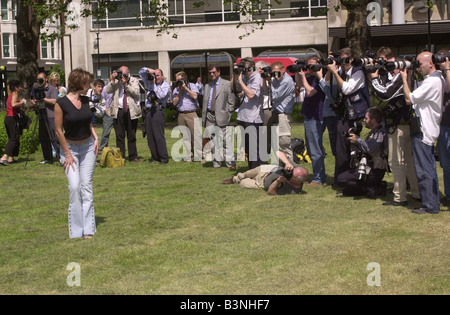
(76, 122)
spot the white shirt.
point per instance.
(428, 99)
(355, 82)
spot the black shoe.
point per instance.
(396, 204)
(424, 211)
(445, 202)
(46, 162)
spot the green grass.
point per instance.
(175, 229)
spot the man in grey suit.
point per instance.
(218, 106)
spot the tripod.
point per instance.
(42, 115)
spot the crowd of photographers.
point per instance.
(410, 118)
(405, 125)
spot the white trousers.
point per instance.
(81, 207)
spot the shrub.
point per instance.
(26, 145)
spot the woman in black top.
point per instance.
(79, 150)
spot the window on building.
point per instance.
(50, 49)
(293, 9)
(4, 6)
(6, 47)
(8, 10)
(182, 12)
(9, 47)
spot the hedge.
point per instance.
(26, 145)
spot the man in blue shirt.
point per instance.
(185, 98)
(312, 111)
(283, 100)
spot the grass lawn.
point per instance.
(175, 229)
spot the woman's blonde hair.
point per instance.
(54, 76)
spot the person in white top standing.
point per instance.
(427, 101)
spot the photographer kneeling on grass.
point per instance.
(287, 180)
(365, 177)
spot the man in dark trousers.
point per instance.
(157, 97)
(47, 135)
(125, 110)
(351, 82)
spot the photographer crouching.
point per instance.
(366, 177)
(44, 97)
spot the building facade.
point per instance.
(50, 53)
(204, 35)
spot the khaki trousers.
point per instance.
(254, 178)
(402, 164)
(187, 120)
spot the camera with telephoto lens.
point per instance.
(240, 68)
(363, 167)
(409, 63)
(150, 76)
(336, 58)
(355, 130)
(300, 65)
(441, 58)
(288, 174)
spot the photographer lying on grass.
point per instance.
(287, 180)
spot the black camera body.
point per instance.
(240, 68)
(119, 75)
(288, 174)
(151, 97)
(339, 61)
(355, 130)
(38, 93)
(300, 65)
(340, 106)
(178, 84)
(266, 72)
(150, 77)
(441, 58)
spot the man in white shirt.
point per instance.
(427, 101)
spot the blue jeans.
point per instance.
(330, 123)
(425, 164)
(314, 143)
(444, 157)
(108, 124)
(81, 207)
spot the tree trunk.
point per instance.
(28, 31)
(357, 29)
